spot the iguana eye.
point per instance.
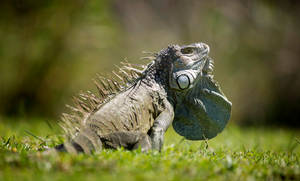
(187, 50)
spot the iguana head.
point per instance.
(179, 67)
(201, 108)
(191, 63)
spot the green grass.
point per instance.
(235, 154)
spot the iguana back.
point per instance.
(133, 110)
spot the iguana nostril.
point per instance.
(183, 81)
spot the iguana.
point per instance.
(177, 88)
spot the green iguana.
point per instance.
(177, 88)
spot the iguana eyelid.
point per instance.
(187, 50)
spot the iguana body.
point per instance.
(138, 113)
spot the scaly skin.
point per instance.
(139, 115)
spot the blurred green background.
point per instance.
(50, 50)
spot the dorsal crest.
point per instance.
(86, 103)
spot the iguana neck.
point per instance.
(159, 71)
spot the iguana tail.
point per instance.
(86, 141)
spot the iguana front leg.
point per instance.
(160, 126)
